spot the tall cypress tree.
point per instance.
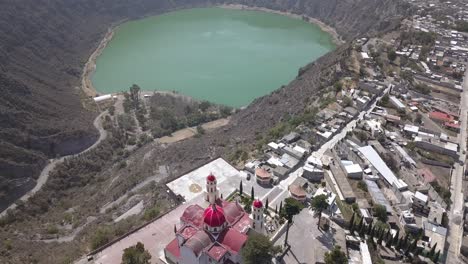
(436, 257)
(389, 241)
(381, 236)
(387, 235)
(241, 188)
(361, 223)
(414, 246)
(351, 221)
(352, 224)
(431, 253)
(399, 243)
(405, 242)
(252, 194)
(370, 230)
(362, 231)
(396, 239)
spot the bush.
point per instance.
(136, 255)
(422, 88)
(203, 106)
(225, 111)
(391, 55)
(151, 213)
(7, 244)
(100, 238)
(362, 185)
(381, 212)
(52, 229)
(200, 130)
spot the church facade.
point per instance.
(215, 234)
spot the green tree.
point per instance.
(435, 258)
(203, 106)
(111, 110)
(336, 256)
(241, 188)
(351, 223)
(391, 55)
(225, 111)
(200, 130)
(431, 253)
(381, 212)
(318, 204)
(396, 239)
(136, 255)
(100, 237)
(135, 95)
(252, 193)
(362, 231)
(292, 207)
(259, 249)
(381, 237)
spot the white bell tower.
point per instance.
(212, 192)
(257, 216)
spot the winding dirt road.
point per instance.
(53, 162)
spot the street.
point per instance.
(456, 188)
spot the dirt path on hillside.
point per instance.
(192, 131)
(44, 176)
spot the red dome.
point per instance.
(257, 204)
(214, 216)
(211, 178)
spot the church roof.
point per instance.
(232, 211)
(198, 242)
(211, 178)
(216, 251)
(257, 203)
(214, 216)
(173, 248)
(193, 215)
(232, 239)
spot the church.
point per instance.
(215, 234)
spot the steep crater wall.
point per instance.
(45, 44)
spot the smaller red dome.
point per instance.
(211, 178)
(214, 216)
(257, 203)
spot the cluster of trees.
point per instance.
(418, 37)
(442, 191)
(165, 120)
(406, 244)
(462, 26)
(136, 255)
(336, 256)
(259, 249)
(283, 128)
(422, 88)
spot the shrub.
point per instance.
(100, 238)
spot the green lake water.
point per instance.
(224, 56)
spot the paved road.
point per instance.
(456, 188)
(49, 167)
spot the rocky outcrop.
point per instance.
(45, 44)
